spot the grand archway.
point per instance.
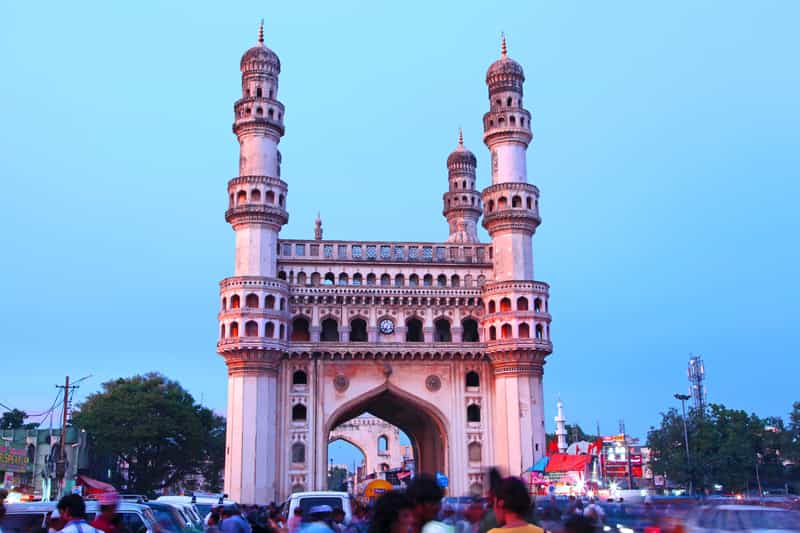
(421, 421)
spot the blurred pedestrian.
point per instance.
(489, 520)
(426, 495)
(3, 496)
(337, 520)
(320, 517)
(512, 504)
(394, 513)
(472, 518)
(233, 522)
(296, 520)
(72, 509)
(358, 523)
(106, 520)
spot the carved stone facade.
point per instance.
(445, 340)
(377, 439)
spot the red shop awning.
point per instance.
(562, 462)
(95, 486)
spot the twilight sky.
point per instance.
(666, 150)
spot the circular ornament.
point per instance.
(433, 383)
(386, 326)
(340, 382)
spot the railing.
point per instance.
(384, 252)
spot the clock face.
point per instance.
(387, 326)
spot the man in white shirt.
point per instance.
(72, 510)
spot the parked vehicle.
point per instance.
(202, 503)
(168, 517)
(34, 517)
(753, 518)
(307, 500)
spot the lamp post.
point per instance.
(683, 398)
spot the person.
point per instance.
(3, 496)
(512, 504)
(320, 515)
(578, 524)
(595, 514)
(233, 522)
(426, 495)
(489, 520)
(337, 520)
(394, 513)
(72, 510)
(359, 522)
(472, 518)
(296, 520)
(106, 521)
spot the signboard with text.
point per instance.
(14, 459)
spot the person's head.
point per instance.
(448, 511)
(71, 507)
(512, 501)
(230, 510)
(426, 494)
(474, 512)
(578, 524)
(320, 513)
(338, 515)
(394, 513)
(298, 512)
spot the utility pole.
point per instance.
(683, 398)
(627, 453)
(61, 463)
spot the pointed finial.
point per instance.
(460, 138)
(261, 32)
(318, 228)
(503, 47)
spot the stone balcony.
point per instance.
(382, 252)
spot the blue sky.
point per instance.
(666, 150)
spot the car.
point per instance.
(168, 516)
(753, 518)
(202, 503)
(307, 500)
(34, 517)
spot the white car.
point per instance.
(307, 500)
(743, 518)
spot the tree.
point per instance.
(15, 419)
(154, 430)
(574, 434)
(337, 478)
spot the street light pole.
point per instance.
(683, 398)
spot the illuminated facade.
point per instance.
(445, 340)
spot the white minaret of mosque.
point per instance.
(254, 317)
(462, 203)
(561, 428)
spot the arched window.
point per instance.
(492, 333)
(474, 452)
(473, 413)
(282, 275)
(537, 305)
(505, 305)
(271, 113)
(441, 280)
(269, 302)
(280, 199)
(301, 278)
(513, 120)
(442, 331)
(258, 92)
(383, 445)
(255, 195)
(224, 304)
(330, 279)
(482, 278)
(241, 197)
(259, 111)
(508, 102)
(413, 280)
(399, 280)
(473, 380)
(234, 329)
(282, 304)
(370, 279)
(524, 331)
(427, 281)
(222, 331)
(230, 202)
(298, 453)
(528, 202)
(251, 328)
(490, 205)
(343, 279)
(330, 331)
(270, 197)
(282, 332)
(357, 279)
(384, 467)
(492, 306)
(299, 378)
(386, 280)
(464, 184)
(251, 300)
(299, 413)
(414, 330)
(469, 330)
(235, 302)
(358, 330)
(498, 102)
(501, 121)
(516, 201)
(269, 330)
(505, 331)
(300, 329)
(468, 281)
(502, 202)
(315, 279)
(539, 332)
(455, 281)
(522, 304)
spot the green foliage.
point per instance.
(574, 434)
(725, 445)
(15, 419)
(337, 479)
(153, 427)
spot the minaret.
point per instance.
(516, 325)
(318, 228)
(561, 428)
(462, 203)
(254, 316)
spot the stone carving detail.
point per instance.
(433, 383)
(341, 383)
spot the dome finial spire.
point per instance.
(261, 32)
(503, 47)
(460, 137)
